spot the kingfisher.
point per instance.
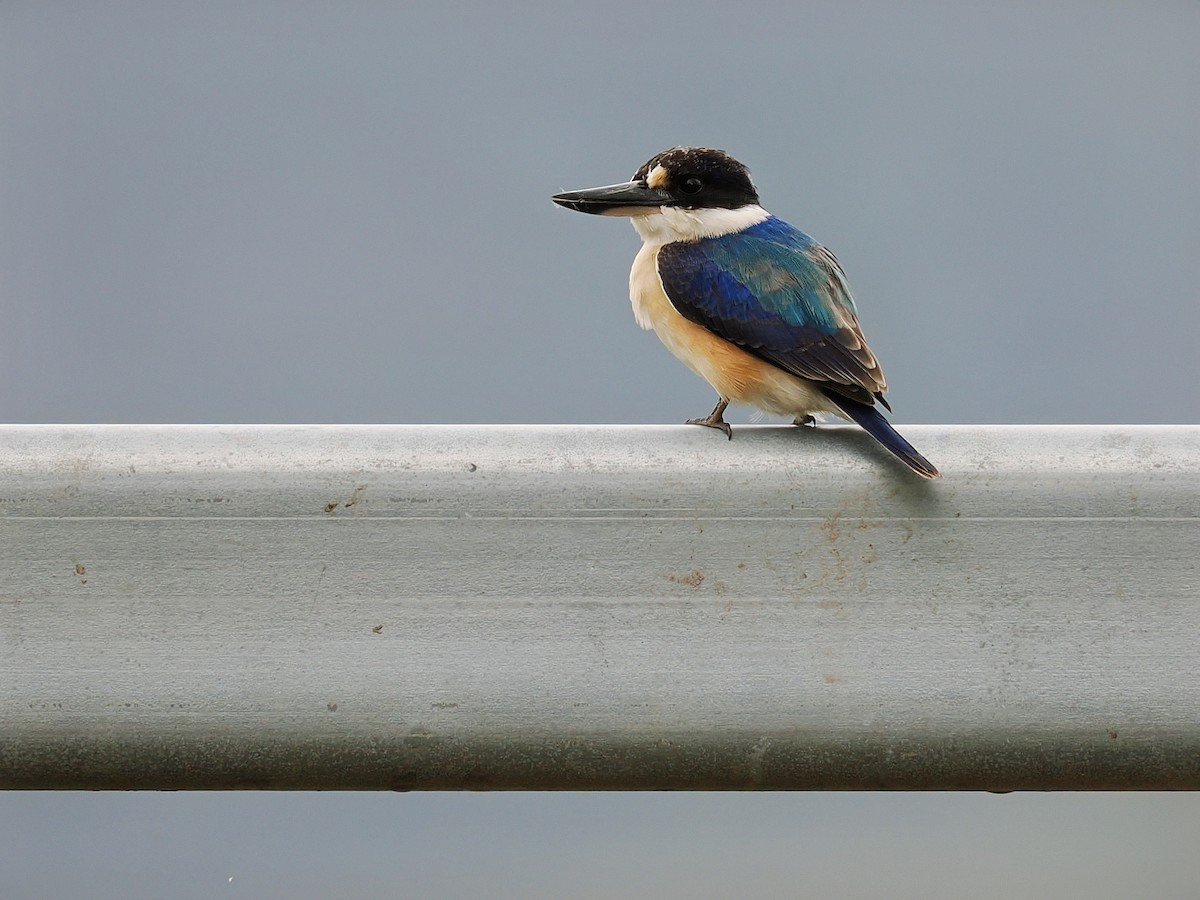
(751, 304)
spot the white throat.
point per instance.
(671, 224)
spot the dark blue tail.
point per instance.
(873, 422)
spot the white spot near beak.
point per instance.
(657, 179)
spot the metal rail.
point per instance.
(421, 607)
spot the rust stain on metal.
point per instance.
(355, 498)
(692, 579)
(832, 528)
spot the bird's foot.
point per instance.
(710, 422)
(806, 420)
(716, 419)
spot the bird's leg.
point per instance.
(805, 420)
(715, 419)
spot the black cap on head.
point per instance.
(682, 177)
(699, 177)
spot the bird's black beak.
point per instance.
(631, 198)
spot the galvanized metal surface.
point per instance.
(598, 607)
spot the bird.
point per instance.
(751, 304)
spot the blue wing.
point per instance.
(779, 295)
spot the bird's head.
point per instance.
(685, 193)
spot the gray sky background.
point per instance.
(339, 212)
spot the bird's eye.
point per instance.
(691, 185)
